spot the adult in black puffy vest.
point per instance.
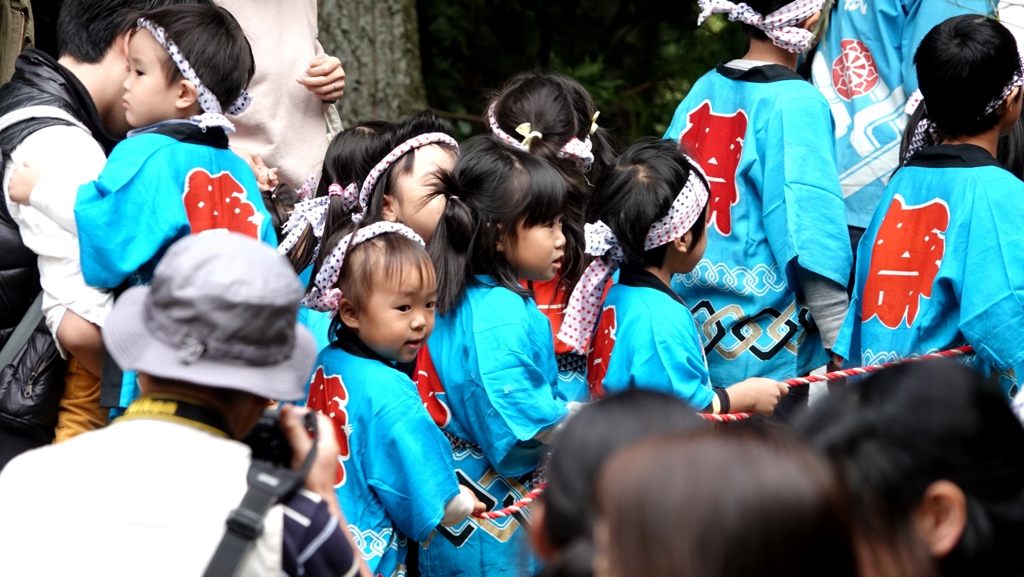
(85, 84)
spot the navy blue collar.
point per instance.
(759, 74)
(187, 132)
(640, 278)
(952, 156)
(347, 340)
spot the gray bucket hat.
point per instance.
(221, 312)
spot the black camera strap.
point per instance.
(268, 485)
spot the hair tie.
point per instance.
(584, 305)
(213, 114)
(407, 146)
(580, 151)
(779, 26)
(528, 135)
(325, 296)
(349, 195)
(593, 122)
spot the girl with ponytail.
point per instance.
(488, 374)
(552, 116)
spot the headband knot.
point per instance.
(584, 305)
(308, 188)
(580, 151)
(213, 114)
(325, 295)
(349, 195)
(779, 26)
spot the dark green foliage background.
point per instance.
(638, 58)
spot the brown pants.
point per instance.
(79, 410)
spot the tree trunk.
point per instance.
(379, 46)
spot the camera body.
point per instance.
(268, 442)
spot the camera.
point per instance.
(268, 442)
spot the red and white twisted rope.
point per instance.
(514, 507)
(801, 381)
(732, 417)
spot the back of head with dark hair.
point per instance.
(906, 427)
(279, 203)
(425, 122)
(724, 504)
(638, 190)
(493, 190)
(213, 43)
(86, 29)
(586, 441)
(559, 108)
(349, 158)
(963, 64)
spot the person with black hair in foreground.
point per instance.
(563, 517)
(214, 340)
(931, 455)
(63, 117)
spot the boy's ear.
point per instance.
(683, 243)
(348, 314)
(812, 21)
(389, 209)
(187, 95)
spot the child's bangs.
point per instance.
(542, 193)
(390, 258)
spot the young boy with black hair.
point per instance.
(188, 66)
(64, 116)
(778, 246)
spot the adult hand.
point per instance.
(23, 180)
(320, 479)
(325, 77)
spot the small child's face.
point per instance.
(148, 97)
(396, 318)
(413, 189)
(536, 253)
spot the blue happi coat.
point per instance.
(161, 184)
(395, 471)
(763, 136)
(865, 68)
(491, 362)
(647, 339)
(942, 265)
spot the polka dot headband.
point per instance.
(212, 115)
(325, 296)
(580, 151)
(926, 133)
(779, 26)
(585, 302)
(407, 146)
(313, 213)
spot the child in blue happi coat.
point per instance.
(770, 293)
(942, 262)
(174, 175)
(395, 478)
(648, 213)
(489, 376)
(554, 117)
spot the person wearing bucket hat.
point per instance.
(214, 340)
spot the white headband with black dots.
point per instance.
(313, 213)
(780, 26)
(213, 114)
(584, 305)
(581, 152)
(324, 295)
